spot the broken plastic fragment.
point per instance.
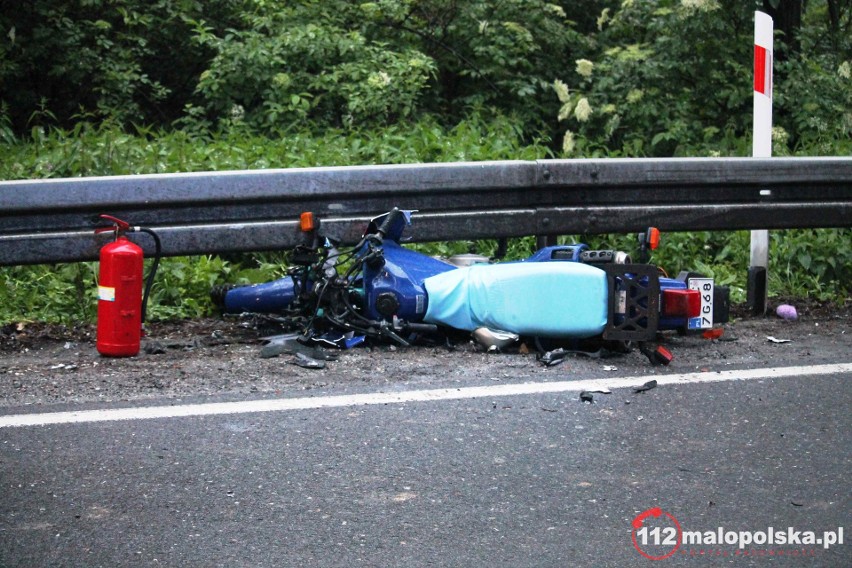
(647, 386)
(776, 340)
(324, 355)
(714, 333)
(657, 356)
(153, 348)
(341, 340)
(287, 343)
(552, 358)
(306, 362)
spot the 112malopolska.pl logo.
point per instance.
(658, 535)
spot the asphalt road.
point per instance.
(504, 480)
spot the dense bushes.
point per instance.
(674, 79)
(640, 77)
(278, 65)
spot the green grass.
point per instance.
(90, 150)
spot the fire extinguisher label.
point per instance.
(106, 293)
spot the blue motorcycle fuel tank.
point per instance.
(396, 288)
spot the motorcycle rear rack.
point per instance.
(633, 312)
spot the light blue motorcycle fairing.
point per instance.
(544, 299)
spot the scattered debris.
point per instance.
(776, 340)
(610, 368)
(599, 354)
(289, 344)
(307, 362)
(658, 355)
(787, 312)
(324, 354)
(586, 395)
(278, 347)
(552, 358)
(652, 384)
(714, 333)
(154, 347)
(340, 339)
(150, 347)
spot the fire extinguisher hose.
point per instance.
(158, 250)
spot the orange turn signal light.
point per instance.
(653, 238)
(307, 222)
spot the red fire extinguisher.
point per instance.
(121, 305)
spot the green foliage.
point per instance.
(182, 286)
(131, 60)
(501, 54)
(670, 78)
(301, 62)
(105, 149)
(64, 292)
(813, 263)
(673, 78)
(815, 104)
(273, 64)
(343, 63)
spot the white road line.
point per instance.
(284, 404)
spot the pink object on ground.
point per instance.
(787, 312)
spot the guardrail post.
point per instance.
(761, 148)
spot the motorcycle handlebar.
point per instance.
(388, 222)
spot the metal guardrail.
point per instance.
(44, 221)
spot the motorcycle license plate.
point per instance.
(705, 287)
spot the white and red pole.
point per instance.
(761, 148)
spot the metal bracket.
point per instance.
(633, 312)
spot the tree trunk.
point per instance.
(787, 15)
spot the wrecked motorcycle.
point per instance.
(561, 294)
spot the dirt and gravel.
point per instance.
(43, 364)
